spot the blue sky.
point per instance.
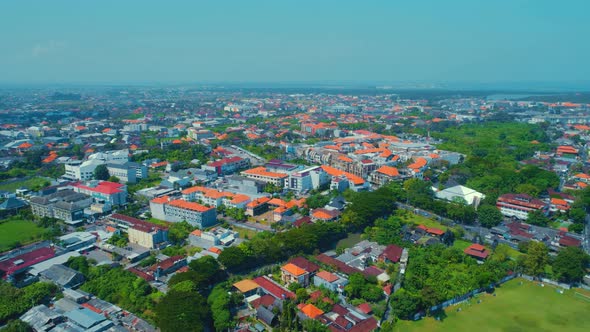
(270, 41)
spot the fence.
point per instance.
(463, 297)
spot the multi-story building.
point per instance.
(385, 174)
(141, 232)
(519, 205)
(109, 192)
(66, 205)
(81, 170)
(227, 165)
(180, 210)
(260, 173)
(307, 179)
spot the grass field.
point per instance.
(29, 183)
(516, 307)
(349, 241)
(461, 244)
(157, 221)
(244, 232)
(417, 219)
(16, 231)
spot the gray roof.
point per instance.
(40, 317)
(61, 275)
(265, 315)
(12, 203)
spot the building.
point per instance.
(213, 237)
(115, 156)
(321, 214)
(180, 210)
(112, 193)
(141, 232)
(227, 166)
(62, 276)
(392, 253)
(66, 205)
(519, 205)
(307, 179)
(270, 287)
(257, 206)
(198, 134)
(461, 194)
(331, 281)
(477, 251)
(167, 266)
(260, 173)
(291, 273)
(385, 174)
(81, 170)
(127, 172)
(12, 267)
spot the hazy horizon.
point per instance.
(450, 43)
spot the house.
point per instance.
(227, 166)
(329, 280)
(291, 273)
(310, 310)
(477, 251)
(345, 318)
(62, 276)
(322, 214)
(167, 266)
(266, 316)
(558, 204)
(392, 253)
(272, 288)
(213, 237)
(247, 287)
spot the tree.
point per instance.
(114, 179)
(405, 304)
(570, 264)
(489, 216)
(578, 215)
(101, 172)
(537, 217)
(182, 309)
(302, 295)
(17, 326)
(536, 259)
(220, 302)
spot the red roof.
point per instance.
(23, 261)
(273, 288)
(224, 161)
(477, 250)
(568, 241)
(329, 277)
(304, 264)
(393, 253)
(365, 308)
(167, 263)
(265, 301)
(137, 223)
(339, 265)
(103, 187)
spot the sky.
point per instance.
(174, 41)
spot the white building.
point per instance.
(459, 194)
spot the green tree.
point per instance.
(489, 216)
(570, 264)
(537, 217)
(101, 172)
(182, 309)
(536, 258)
(17, 326)
(405, 304)
(220, 302)
(114, 179)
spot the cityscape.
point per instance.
(176, 196)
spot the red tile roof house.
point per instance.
(167, 266)
(477, 251)
(392, 253)
(272, 288)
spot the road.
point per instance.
(586, 242)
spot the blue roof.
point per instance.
(84, 317)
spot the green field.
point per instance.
(516, 307)
(29, 183)
(157, 222)
(349, 241)
(13, 232)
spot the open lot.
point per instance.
(519, 305)
(12, 185)
(14, 231)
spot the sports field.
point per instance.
(15, 231)
(519, 305)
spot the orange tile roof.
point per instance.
(180, 203)
(582, 176)
(345, 158)
(557, 201)
(329, 277)
(419, 163)
(215, 250)
(246, 285)
(196, 232)
(258, 201)
(357, 180)
(388, 170)
(311, 311)
(293, 269)
(25, 145)
(160, 200)
(263, 172)
(277, 202)
(239, 198)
